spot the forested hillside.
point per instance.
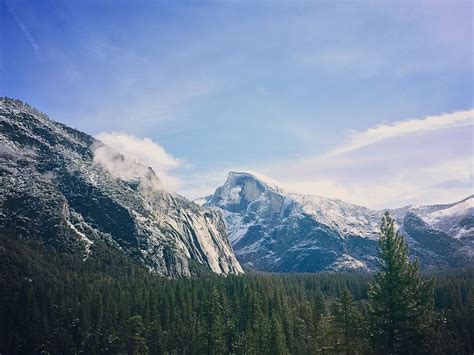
(57, 303)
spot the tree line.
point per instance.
(51, 302)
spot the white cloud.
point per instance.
(381, 132)
(423, 161)
(423, 185)
(138, 155)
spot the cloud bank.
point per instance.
(135, 156)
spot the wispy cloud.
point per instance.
(416, 161)
(383, 166)
(23, 28)
(441, 182)
(381, 132)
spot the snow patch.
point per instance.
(233, 197)
(87, 242)
(269, 182)
(347, 262)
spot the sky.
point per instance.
(370, 102)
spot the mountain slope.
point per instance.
(273, 230)
(455, 219)
(68, 190)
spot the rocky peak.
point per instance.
(241, 189)
(64, 188)
(272, 230)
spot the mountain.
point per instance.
(272, 230)
(67, 190)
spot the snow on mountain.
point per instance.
(201, 201)
(344, 217)
(273, 230)
(455, 219)
(65, 188)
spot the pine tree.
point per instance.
(134, 340)
(216, 331)
(319, 305)
(323, 339)
(60, 305)
(154, 337)
(402, 301)
(277, 337)
(347, 325)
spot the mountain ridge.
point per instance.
(272, 230)
(54, 189)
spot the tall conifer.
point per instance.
(402, 301)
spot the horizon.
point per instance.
(355, 113)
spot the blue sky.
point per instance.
(271, 86)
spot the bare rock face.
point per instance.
(66, 189)
(272, 230)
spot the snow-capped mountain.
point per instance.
(455, 219)
(66, 189)
(273, 230)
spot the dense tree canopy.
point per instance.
(56, 303)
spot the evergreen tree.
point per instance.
(54, 303)
(277, 337)
(133, 338)
(347, 325)
(323, 339)
(216, 340)
(401, 301)
(320, 306)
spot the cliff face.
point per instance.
(57, 186)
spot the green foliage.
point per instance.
(402, 306)
(134, 342)
(348, 326)
(55, 303)
(277, 341)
